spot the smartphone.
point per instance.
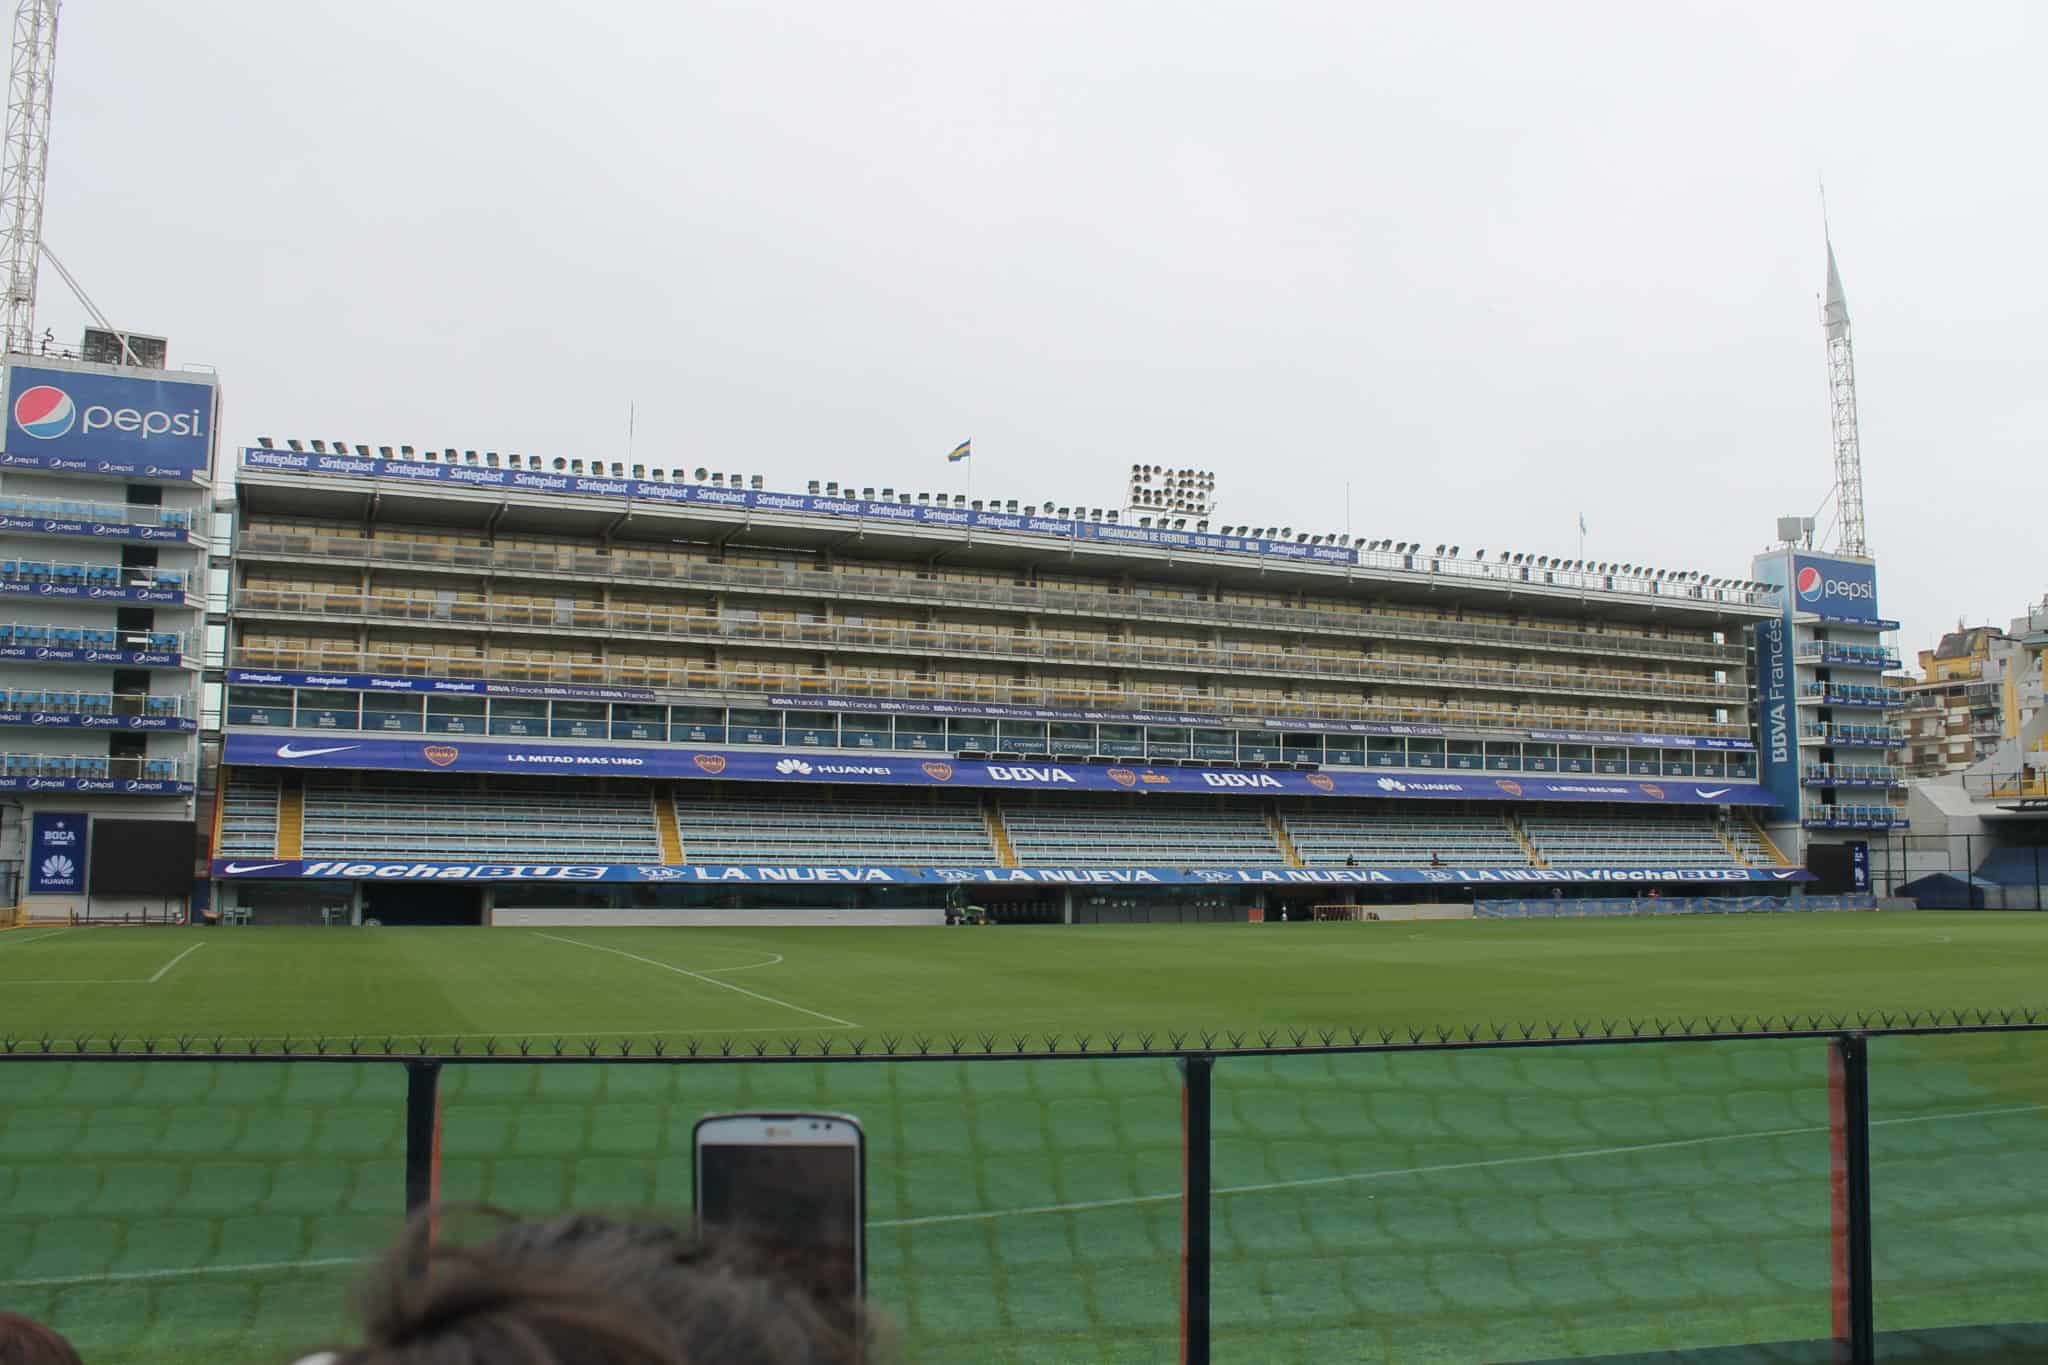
(793, 1184)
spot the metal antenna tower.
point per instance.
(30, 75)
(1834, 317)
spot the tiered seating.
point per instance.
(772, 830)
(1156, 834)
(522, 824)
(1404, 840)
(1625, 840)
(1750, 845)
(248, 822)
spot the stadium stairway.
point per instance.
(1528, 845)
(665, 827)
(1728, 842)
(1770, 845)
(291, 820)
(1283, 838)
(998, 833)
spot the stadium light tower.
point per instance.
(1842, 398)
(23, 168)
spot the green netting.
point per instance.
(194, 1211)
(1524, 1205)
(1959, 1182)
(1019, 1211)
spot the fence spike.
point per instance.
(1145, 1042)
(889, 1041)
(1386, 1034)
(625, 1047)
(1017, 1041)
(988, 1042)
(559, 1045)
(1443, 1035)
(1081, 1040)
(690, 1044)
(793, 1045)
(1266, 1037)
(1414, 1034)
(590, 1048)
(922, 1044)
(1328, 1035)
(824, 1047)
(659, 1047)
(455, 1044)
(1357, 1034)
(1528, 1031)
(526, 1047)
(1236, 1038)
(956, 1045)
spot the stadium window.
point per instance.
(1645, 763)
(858, 731)
(1071, 737)
(1302, 748)
(1466, 755)
(819, 729)
(745, 725)
(1383, 753)
(1503, 756)
(1613, 762)
(1709, 763)
(1121, 741)
(260, 706)
(579, 720)
(518, 717)
(695, 724)
(1166, 741)
(1677, 763)
(455, 715)
(319, 709)
(401, 712)
(922, 733)
(1213, 744)
(1028, 735)
(970, 733)
(1425, 753)
(1258, 746)
(1574, 758)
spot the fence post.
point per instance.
(422, 1134)
(1855, 1327)
(1197, 1181)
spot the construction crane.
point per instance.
(1834, 320)
(32, 69)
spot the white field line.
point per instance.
(162, 971)
(503, 1035)
(1271, 1186)
(34, 938)
(772, 960)
(699, 976)
(271, 1267)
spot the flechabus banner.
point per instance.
(151, 427)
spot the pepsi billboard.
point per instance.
(1843, 589)
(108, 424)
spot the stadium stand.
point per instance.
(1393, 839)
(398, 820)
(769, 830)
(1158, 833)
(1749, 844)
(1595, 839)
(249, 818)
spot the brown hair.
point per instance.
(587, 1290)
(24, 1341)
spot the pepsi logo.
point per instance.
(44, 412)
(1809, 584)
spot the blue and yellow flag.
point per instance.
(960, 452)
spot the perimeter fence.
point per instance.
(1793, 1189)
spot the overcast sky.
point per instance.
(1490, 265)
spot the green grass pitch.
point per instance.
(1440, 1207)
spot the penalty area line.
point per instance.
(164, 970)
(700, 976)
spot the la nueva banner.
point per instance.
(665, 763)
(708, 874)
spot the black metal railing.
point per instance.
(1195, 1052)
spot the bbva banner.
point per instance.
(704, 874)
(781, 765)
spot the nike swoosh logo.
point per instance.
(237, 869)
(287, 751)
(1786, 876)
(1703, 794)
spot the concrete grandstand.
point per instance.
(458, 685)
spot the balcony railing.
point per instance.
(91, 766)
(1851, 694)
(584, 567)
(921, 642)
(20, 573)
(1854, 817)
(71, 703)
(1849, 736)
(40, 636)
(111, 513)
(1850, 775)
(705, 679)
(1846, 655)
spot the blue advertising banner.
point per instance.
(14, 587)
(1778, 762)
(1859, 864)
(118, 786)
(56, 853)
(65, 654)
(773, 765)
(914, 514)
(148, 425)
(71, 720)
(98, 530)
(451, 687)
(864, 874)
(1840, 588)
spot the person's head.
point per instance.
(24, 1341)
(587, 1290)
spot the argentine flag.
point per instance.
(960, 452)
